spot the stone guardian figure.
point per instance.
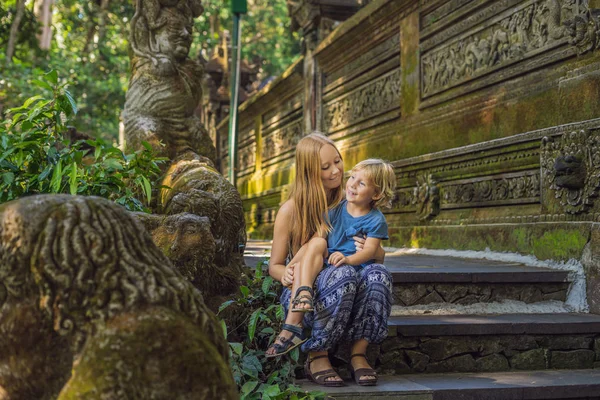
(91, 309)
(165, 85)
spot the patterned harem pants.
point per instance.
(349, 305)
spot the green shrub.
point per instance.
(259, 377)
(36, 158)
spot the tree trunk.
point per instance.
(102, 21)
(14, 31)
(44, 14)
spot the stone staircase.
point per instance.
(479, 329)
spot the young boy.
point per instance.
(370, 186)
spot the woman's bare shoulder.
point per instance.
(287, 209)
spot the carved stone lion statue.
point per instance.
(90, 308)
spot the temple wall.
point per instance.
(479, 104)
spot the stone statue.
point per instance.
(90, 308)
(165, 85)
(205, 232)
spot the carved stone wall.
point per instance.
(460, 96)
(509, 37)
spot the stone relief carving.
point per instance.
(429, 196)
(584, 32)
(247, 156)
(91, 308)
(281, 140)
(571, 169)
(533, 26)
(492, 190)
(164, 92)
(165, 87)
(378, 96)
(426, 197)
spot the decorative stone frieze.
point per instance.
(369, 100)
(492, 190)
(281, 140)
(519, 33)
(570, 166)
(247, 156)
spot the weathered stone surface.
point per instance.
(565, 342)
(576, 359)
(518, 343)
(560, 295)
(202, 230)
(451, 293)
(462, 363)
(418, 361)
(488, 346)
(390, 357)
(440, 349)
(399, 342)
(409, 295)
(165, 86)
(531, 296)
(528, 360)
(432, 297)
(468, 299)
(493, 362)
(597, 348)
(100, 292)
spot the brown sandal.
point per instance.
(359, 373)
(320, 377)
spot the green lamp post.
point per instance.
(238, 7)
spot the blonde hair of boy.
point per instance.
(381, 173)
(311, 200)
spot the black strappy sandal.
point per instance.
(320, 377)
(288, 344)
(361, 372)
(303, 299)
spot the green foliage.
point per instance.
(266, 35)
(90, 44)
(258, 377)
(36, 158)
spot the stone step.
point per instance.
(522, 385)
(486, 343)
(424, 279)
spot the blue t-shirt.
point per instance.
(345, 226)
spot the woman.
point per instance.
(348, 305)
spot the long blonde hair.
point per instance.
(311, 200)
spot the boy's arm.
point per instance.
(370, 249)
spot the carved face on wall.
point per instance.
(175, 37)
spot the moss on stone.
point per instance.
(556, 241)
(158, 354)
